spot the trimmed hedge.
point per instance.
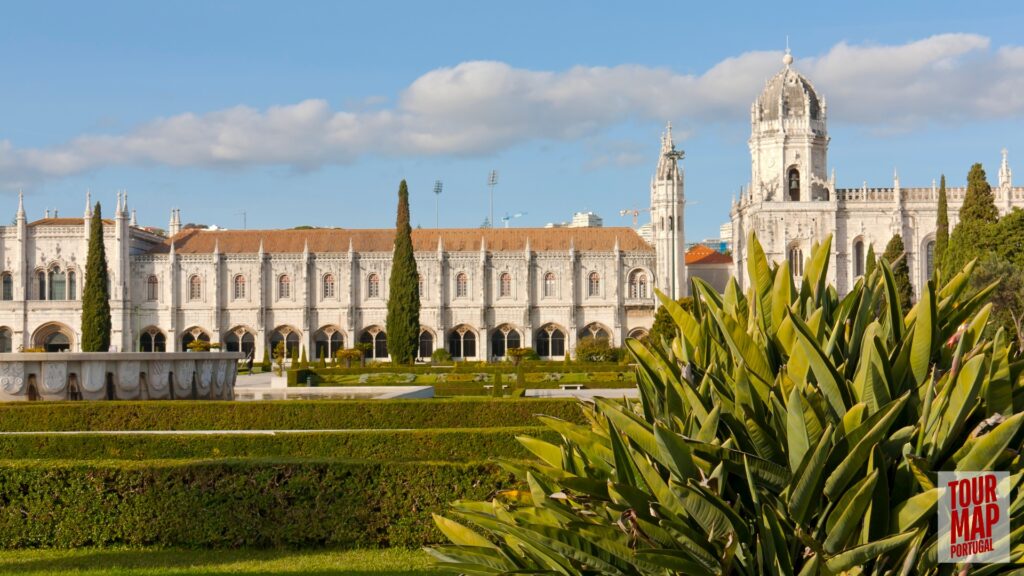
(462, 445)
(298, 376)
(233, 503)
(281, 415)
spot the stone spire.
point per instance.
(1005, 174)
(134, 220)
(175, 225)
(216, 247)
(88, 203)
(21, 206)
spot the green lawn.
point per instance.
(105, 562)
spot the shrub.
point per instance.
(199, 346)
(232, 503)
(440, 356)
(519, 354)
(785, 431)
(265, 365)
(283, 415)
(348, 355)
(590, 349)
(437, 445)
(279, 357)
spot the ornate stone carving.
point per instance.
(128, 375)
(94, 376)
(204, 377)
(12, 377)
(55, 377)
(183, 372)
(157, 375)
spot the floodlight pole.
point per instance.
(438, 186)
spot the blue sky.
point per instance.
(311, 112)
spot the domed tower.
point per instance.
(789, 140)
(667, 201)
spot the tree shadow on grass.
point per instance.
(178, 562)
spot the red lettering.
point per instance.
(959, 525)
(991, 518)
(990, 488)
(977, 523)
(952, 494)
(965, 493)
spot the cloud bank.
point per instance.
(481, 106)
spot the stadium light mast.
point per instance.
(438, 186)
(492, 181)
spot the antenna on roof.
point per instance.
(244, 222)
(438, 187)
(492, 181)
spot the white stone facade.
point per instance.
(791, 204)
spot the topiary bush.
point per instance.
(781, 431)
(440, 356)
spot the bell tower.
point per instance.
(667, 206)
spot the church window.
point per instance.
(796, 261)
(549, 284)
(284, 286)
(550, 342)
(858, 258)
(58, 284)
(502, 339)
(41, 279)
(505, 285)
(72, 286)
(378, 343)
(638, 284)
(238, 287)
(462, 342)
(929, 258)
(152, 288)
(426, 347)
(461, 285)
(328, 288)
(8, 286)
(794, 185)
(373, 286)
(6, 341)
(195, 288)
(594, 284)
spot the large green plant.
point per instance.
(785, 431)
(96, 324)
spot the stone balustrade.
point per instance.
(118, 375)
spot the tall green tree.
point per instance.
(403, 322)
(96, 323)
(942, 223)
(979, 204)
(895, 255)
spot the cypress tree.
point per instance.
(941, 223)
(96, 322)
(894, 255)
(403, 321)
(979, 204)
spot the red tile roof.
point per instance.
(201, 241)
(65, 222)
(701, 254)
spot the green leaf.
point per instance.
(461, 535)
(924, 330)
(988, 448)
(860, 555)
(913, 510)
(848, 513)
(808, 478)
(857, 457)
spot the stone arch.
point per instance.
(927, 260)
(377, 339)
(193, 334)
(504, 337)
(327, 341)
(550, 341)
(638, 333)
(54, 337)
(858, 256)
(597, 331)
(152, 339)
(463, 341)
(793, 184)
(241, 338)
(290, 336)
(639, 283)
(427, 340)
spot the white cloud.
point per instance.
(479, 107)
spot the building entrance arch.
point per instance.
(54, 337)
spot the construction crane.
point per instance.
(507, 218)
(635, 212)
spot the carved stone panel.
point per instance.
(204, 377)
(12, 378)
(93, 376)
(156, 379)
(184, 370)
(55, 378)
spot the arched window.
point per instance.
(240, 340)
(195, 288)
(328, 287)
(550, 342)
(549, 284)
(858, 258)
(796, 261)
(328, 340)
(284, 286)
(373, 286)
(8, 286)
(638, 284)
(6, 339)
(238, 287)
(152, 340)
(461, 285)
(794, 184)
(596, 331)
(426, 344)
(152, 288)
(462, 342)
(378, 343)
(58, 284)
(72, 286)
(503, 338)
(41, 281)
(929, 259)
(504, 285)
(193, 334)
(637, 333)
(594, 284)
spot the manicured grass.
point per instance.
(150, 562)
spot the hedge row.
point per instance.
(232, 503)
(281, 415)
(461, 445)
(299, 375)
